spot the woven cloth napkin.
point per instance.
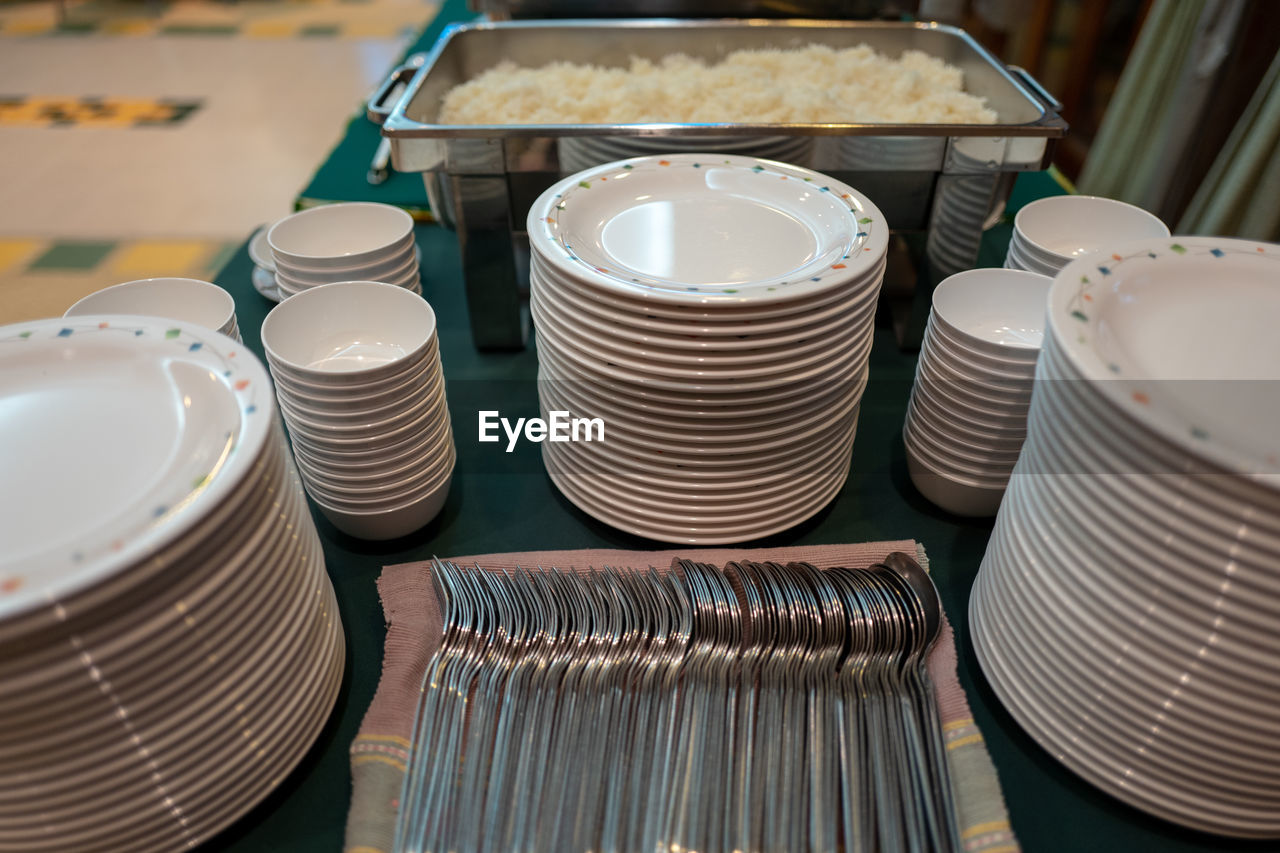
(380, 751)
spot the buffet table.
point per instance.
(505, 502)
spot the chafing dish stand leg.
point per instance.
(485, 227)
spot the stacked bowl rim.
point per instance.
(971, 321)
(187, 300)
(391, 308)
(330, 237)
(1034, 226)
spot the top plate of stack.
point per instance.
(713, 229)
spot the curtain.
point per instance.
(1240, 196)
(1155, 113)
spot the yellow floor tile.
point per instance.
(27, 28)
(138, 27)
(17, 251)
(147, 258)
(33, 296)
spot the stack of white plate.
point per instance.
(716, 313)
(358, 379)
(185, 299)
(1051, 232)
(580, 153)
(1126, 609)
(170, 645)
(968, 412)
(351, 241)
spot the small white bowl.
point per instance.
(376, 492)
(336, 236)
(955, 495)
(1061, 228)
(1004, 391)
(969, 362)
(965, 448)
(392, 269)
(994, 310)
(952, 464)
(991, 422)
(1018, 259)
(431, 445)
(348, 333)
(343, 414)
(393, 522)
(370, 427)
(187, 300)
(361, 392)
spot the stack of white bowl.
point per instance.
(1126, 609)
(1051, 232)
(170, 644)
(185, 299)
(578, 154)
(967, 417)
(357, 374)
(351, 241)
(716, 313)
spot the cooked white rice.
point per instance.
(813, 84)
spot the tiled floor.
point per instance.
(150, 138)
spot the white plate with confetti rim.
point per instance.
(708, 229)
(1181, 334)
(120, 433)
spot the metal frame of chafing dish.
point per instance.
(482, 179)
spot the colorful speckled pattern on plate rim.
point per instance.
(869, 243)
(187, 499)
(1075, 324)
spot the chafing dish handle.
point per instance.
(381, 102)
(1024, 77)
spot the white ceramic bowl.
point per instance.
(1017, 361)
(374, 463)
(955, 495)
(341, 414)
(348, 333)
(392, 522)
(1018, 259)
(322, 442)
(370, 427)
(185, 299)
(359, 394)
(373, 492)
(340, 235)
(393, 268)
(991, 457)
(1062, 228)
(946, 462)
(994, 310)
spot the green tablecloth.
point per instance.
(505, 502)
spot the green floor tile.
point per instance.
(199, 30)
(75, 28)
(320, 30)
(72, 255)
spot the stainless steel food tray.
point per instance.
(482, 179)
